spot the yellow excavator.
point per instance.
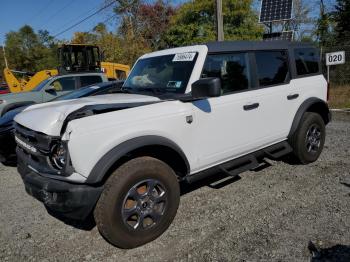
(73, 58)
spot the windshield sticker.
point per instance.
(174, 84)
(184, 57)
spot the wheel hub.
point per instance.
(313, 139)
(144, 204)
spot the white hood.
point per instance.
(48, 118)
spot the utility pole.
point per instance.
(3, 49)
(219, 21)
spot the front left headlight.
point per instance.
(58, 155)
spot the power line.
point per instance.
(83, 20)
(77, 17)
(104, 21)
(41, 11)
(59, 11)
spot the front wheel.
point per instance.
(308, 140)
(138, 203)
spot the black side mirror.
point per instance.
(206, 87)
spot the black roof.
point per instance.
(229, 46)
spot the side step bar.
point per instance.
(239, 165)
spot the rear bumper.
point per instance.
(73, 201)
(7, 146)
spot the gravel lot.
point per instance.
(272, 214)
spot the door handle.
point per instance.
(291, 97)
(251, 106)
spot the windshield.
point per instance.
(41, 85)
(168, 73)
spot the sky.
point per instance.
(53, 15)
(57, 15)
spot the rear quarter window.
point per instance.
(307, 61)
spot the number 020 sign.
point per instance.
(335, 58)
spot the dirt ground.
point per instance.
(278, 213)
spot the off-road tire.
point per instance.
(109, 208)
(298, 140)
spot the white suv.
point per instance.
(183, 114)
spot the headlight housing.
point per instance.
(58, 155)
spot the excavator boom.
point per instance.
(15, 85)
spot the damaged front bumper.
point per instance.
(70, 200)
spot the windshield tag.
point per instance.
(174, 84)
(184, 57)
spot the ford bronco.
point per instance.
(184, 114)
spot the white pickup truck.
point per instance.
(183, 114)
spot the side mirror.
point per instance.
(50, 89)
(206, 87)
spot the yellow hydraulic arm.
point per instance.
(23, 85)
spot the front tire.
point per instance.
(138, 203)
(308, 140)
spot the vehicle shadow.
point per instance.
(87, 225)
(216, 181)
(337, 253)
(345, 184)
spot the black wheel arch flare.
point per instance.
(312, 104)
(103, 167)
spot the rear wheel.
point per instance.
(138, 203)
(308, 140)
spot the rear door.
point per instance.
(272, 93)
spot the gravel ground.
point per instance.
(269, 215)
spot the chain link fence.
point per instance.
(339, 74)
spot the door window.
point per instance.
(232, 69)
(307, 60)
(90, 80)
(272, 67)
(64, 84)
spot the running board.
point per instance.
(278, 150)
(248, 162)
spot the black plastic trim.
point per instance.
(244, 163)
(108, 160)
(303, 108)
(74, 201)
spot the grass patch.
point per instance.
(339, 96)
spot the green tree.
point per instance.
(142, 26)
(29, 51)
(342, 19)
(194, 22)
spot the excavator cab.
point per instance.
(75, 58)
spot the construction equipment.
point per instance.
(73, 58)
(28, 81)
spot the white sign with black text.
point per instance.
(335, 58)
